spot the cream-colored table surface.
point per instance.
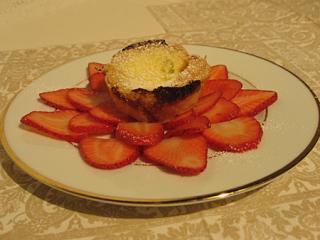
(38, 35)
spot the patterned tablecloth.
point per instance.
(284, 31)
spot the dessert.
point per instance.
(153, 81)
(179, 112)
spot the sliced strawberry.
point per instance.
(57, 99)
(238, 135)
(97, 82)
(107, 113)
(252, 101)
(206, 103)
(181, 119)
(184, 155)
(229, 88)
(140, 133)
(218, 72)
(107, 153)
(84, 99)
(195, 126)
(96, 75)
(54, 124)
(94, 67)
(223, 110)
(84, 122)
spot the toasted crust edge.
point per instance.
(145, 43)
(160, 104)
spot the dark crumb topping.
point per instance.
(145, 43)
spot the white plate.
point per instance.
(290, 131)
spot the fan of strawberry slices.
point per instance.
(223, 120)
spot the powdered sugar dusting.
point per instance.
(151, 66)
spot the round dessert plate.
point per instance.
(290, 125)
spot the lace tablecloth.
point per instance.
(284, 31)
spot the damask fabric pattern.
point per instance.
(288, 208)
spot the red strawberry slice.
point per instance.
(96, 75)
(223, 110)
(218, 72)
(94, 67)
(229, 88)
(206, 103)
(107, 113)
(238, 135)
(57, 99)
(107, 153)
(84, 99)
(179, 120)
(184, 155)
(252, 101)
(97, 82)
(195, 126)
(84, 122)
(54, 124)
(140, 133)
